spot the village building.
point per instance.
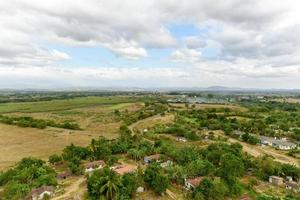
(91, 166)
(124, 169)
(276, 180)
(281, 144)
(192, 183)
(152, 158)
(41, 193)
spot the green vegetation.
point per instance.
(155, 178)
(107, 184)
(37, 123)
(28, 173)
(225, 171)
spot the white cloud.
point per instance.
(186, 55)
(252, 39)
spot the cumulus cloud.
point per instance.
(186, 55)
(251, 39)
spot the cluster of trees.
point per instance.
(256, 121)
(37, 123)
(29, 173)
(108, 150)
(220, 160)
(107, 184)
(296, 134)
(251, 139)
(149, 110)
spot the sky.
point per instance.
(52, 44)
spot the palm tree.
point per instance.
(111, 183)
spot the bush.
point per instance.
(55, 159)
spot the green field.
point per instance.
(59, 105)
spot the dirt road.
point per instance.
(256, 150)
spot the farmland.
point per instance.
(95, 115)
(192, 140)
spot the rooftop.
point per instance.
(123, 169)
(195, 181)
(276, 141)
(94, 164)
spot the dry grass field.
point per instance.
(95, 120)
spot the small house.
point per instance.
(281, 144)
(124, 169)
(91, 166)
(192, 183)
(284, 145)
(276, 180)
(41, 193)
(152, 158)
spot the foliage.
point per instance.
(104, 184)
(128, 185)
(210, 190)
(55, 159)
(37, 123)
(28, 174)
(155, 178)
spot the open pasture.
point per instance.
(61, 105)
